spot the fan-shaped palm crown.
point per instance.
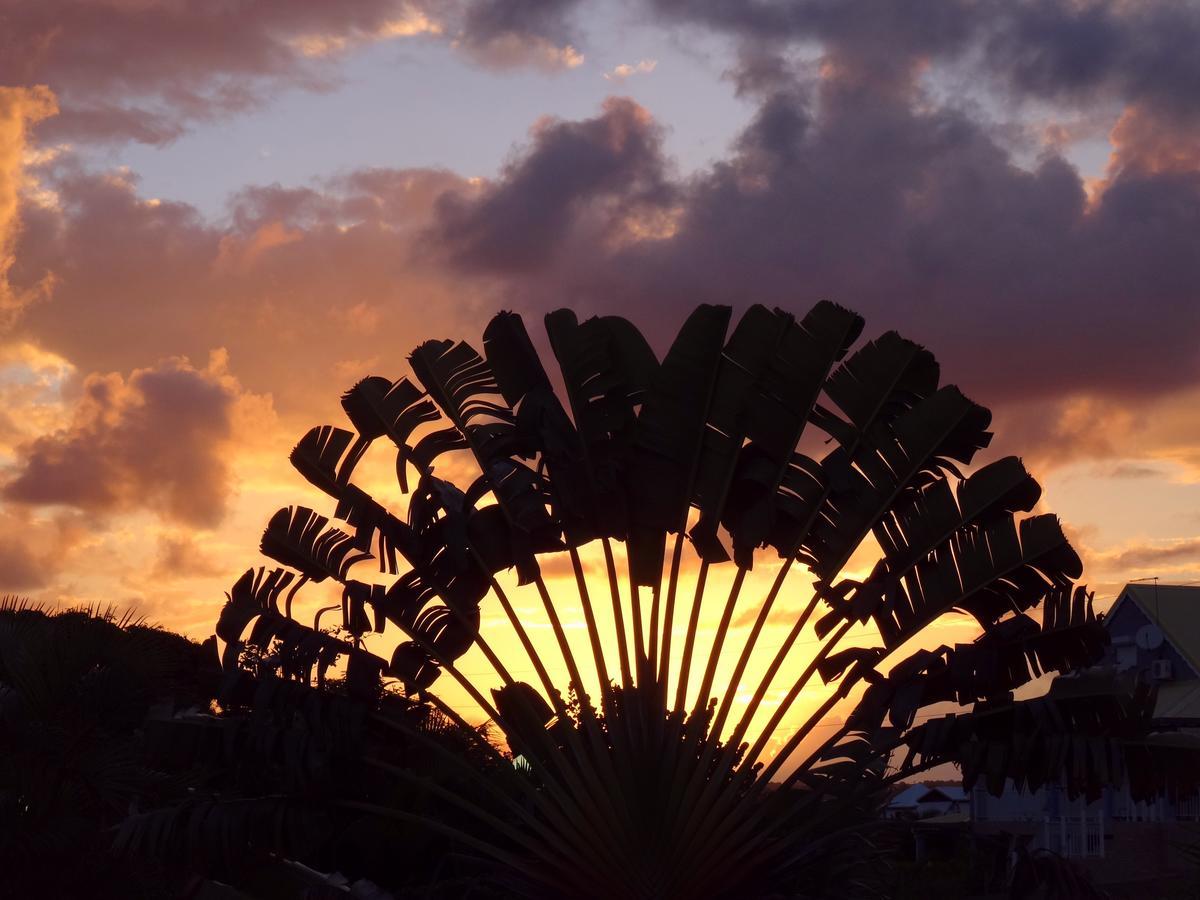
(655, 781)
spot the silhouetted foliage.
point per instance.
(658, 789)
(76, 690)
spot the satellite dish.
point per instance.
(1149, 637)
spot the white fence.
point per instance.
(1074, 837)
(1188, 808)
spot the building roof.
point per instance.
(908, 796)
(1178, 700)
(924, 793)
(1176, 610)
(942, 792)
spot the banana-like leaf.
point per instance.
(879, 382)
(911, 531)
(895, 461)
(461, 383)
(527, 715)
(768, 506)
(322, 459)
(378, 407)
(929, 520)
(441, 630)
(987, 571)
(770, 375)
(1005, 657)
(669, 432)
(1017, 650)
(464, 386)
(542, 427)
(874, 386)
(606, 366)
(1085, 736)
(297, 650)
(297, 537)
(376, 528)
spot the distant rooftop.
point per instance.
(1176, 610)
(924, 793)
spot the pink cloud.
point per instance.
(156, 440)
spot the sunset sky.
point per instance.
(214, 217)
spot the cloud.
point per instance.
(181, 555)
(907, 211)
(145, 70)
(34, 549)
(1027, 286)
(1146, 141)
(779, 615)
(1148, 555)
(1133, 471)
(1076, 52)
(627, 70)
(510, 33)
(301, 281)
(148, 71)
(590, 175)
(155, 440)
(19, 108)
(1045, 50)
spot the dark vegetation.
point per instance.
(163, 767)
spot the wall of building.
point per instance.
(1126, 655)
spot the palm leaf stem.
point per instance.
(764, 685)
(618, 616)
(664, 663)
(517, 863)
(811, 722)
(690, 639)
(641, 662)
(596, 789)
(564, 646)
(569, 816)
(685, 779)
(713, 805)
(587, 713)
(592, 629)
(443, 399)
(748, 649)
(714, 656)
(569, 862)
(743, 832)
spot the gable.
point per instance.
(908, 796)
(934, 795)
(1174, 609)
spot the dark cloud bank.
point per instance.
(147, 71)
(850, 183)
(915, 216)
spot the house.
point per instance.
(1155, 631)
(1155, 637)
(921, 801)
